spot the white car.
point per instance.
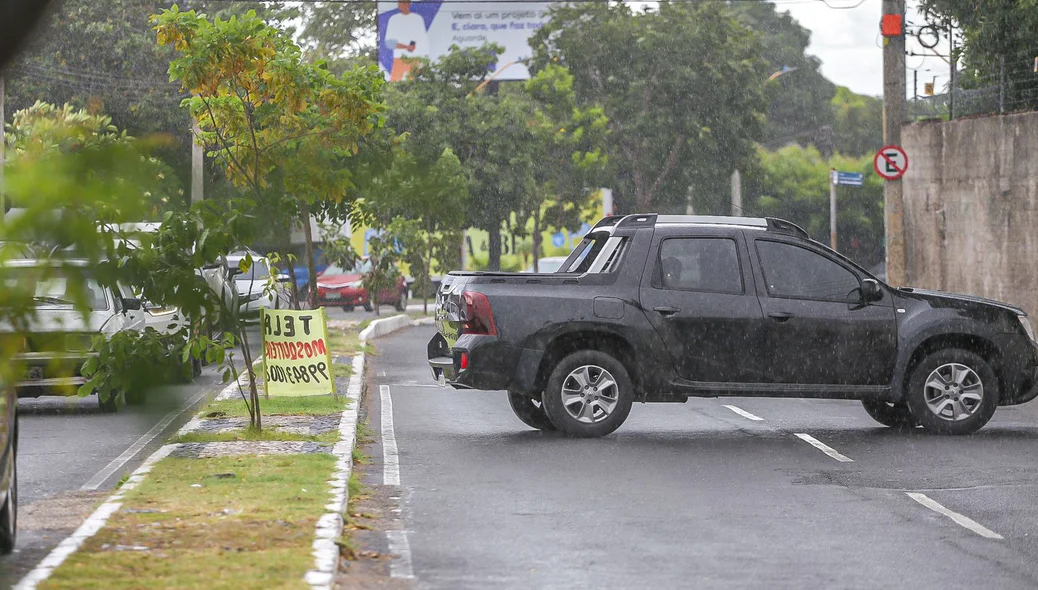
(253, 293)
(60, 336)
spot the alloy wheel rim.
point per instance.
(590, 394)
(953, 392)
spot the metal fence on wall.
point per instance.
(1006, 89)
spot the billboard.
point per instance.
(429, 29)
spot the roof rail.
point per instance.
(786, 227)
(608, 221)
(642, 220)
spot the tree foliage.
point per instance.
(793, 183)
(675, 122)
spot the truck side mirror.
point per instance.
(871, 291)
(132, 303)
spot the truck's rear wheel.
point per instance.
(9, 511)
(952, 391)
(530, 411)
(589, 394)
(889, 413)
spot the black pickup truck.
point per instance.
(656, 308)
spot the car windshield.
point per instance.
(259, 271)
(56, 290)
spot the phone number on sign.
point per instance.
(313, 373)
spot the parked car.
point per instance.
(60, 336)
(8, 468)
(663, 308)
(548, 265)
(251, 286)
(337, 286)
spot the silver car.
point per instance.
(59, 336)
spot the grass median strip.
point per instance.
(229, 522)
(315, 405)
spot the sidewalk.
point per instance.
(221, 506)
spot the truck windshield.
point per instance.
(56, 290)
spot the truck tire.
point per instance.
(9, 511)
(530, 411)
(589, 394)
(889, 413)
(952, 391)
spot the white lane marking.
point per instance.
(390, 460)
(91, 525)
(821, 446)
(959, 519)
(401, 566)
(101, 476)
(744, 413)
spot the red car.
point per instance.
(341, 287)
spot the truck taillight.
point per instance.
(479, 318)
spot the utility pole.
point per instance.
(833, 176)
(736, 194)
(197, 164)
(893, 116)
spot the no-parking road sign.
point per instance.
(891, 162)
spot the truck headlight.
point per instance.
(1026, 323)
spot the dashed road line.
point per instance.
(821, 446)
(390, 460)
(401, 566)
(959, 519)
(744, 413)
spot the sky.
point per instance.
(848, 43)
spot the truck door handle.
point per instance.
(665, 310)
(781, 316)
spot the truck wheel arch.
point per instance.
(971, 342)
(608, 342)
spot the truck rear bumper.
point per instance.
(488, 364)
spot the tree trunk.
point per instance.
(536, 239)
(428, 271)
(295, 283)
(311, 265)
(494, 256)
(257, 419)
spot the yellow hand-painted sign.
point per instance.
(296, 358)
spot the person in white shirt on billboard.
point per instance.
(407, 37)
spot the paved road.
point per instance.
(699, 495)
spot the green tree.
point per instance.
(283, 128)
(421, 200)
(439, 104)
(857, 122)
(568, 151)
(793, 183)
(675, 123)
(43, 129)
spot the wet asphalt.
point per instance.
(697, 495)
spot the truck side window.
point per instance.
(798, 273)
(700, 264)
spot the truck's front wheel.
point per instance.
(530, 411)
(589, 394)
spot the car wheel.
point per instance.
(347, 308)
(952, 391)
(9, 511)
(368, 306)
(889, 413)
(401, 303)
(530, 411)
(589, 394)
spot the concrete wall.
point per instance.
(971, 207)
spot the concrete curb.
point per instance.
(329, 526)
